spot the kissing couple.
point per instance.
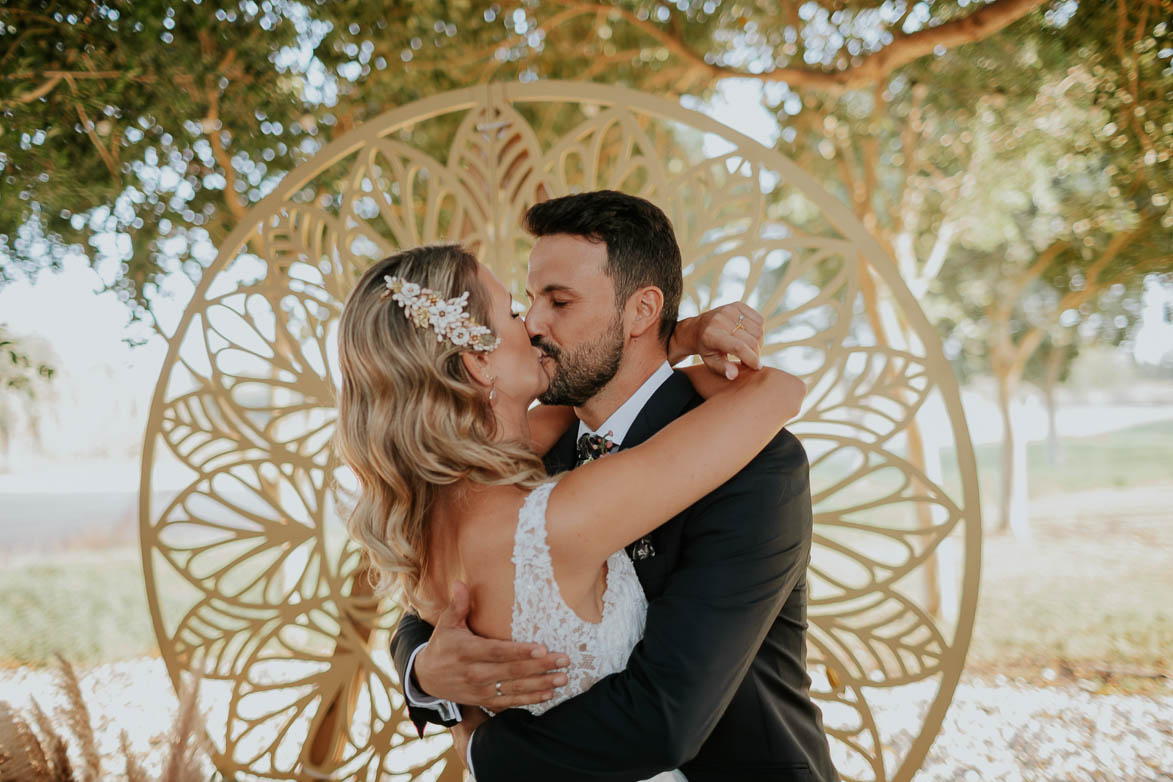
(609, 585)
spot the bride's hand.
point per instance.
(732, 329)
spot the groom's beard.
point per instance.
(582, 372)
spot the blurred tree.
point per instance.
(1073, 213)
(24, 362)
(138, 134)
(942, 153)
(135, 134)
(26, 367)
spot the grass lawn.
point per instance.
(1087, 598)
(1137, 456)
(90, 606)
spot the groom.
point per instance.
(718, 686)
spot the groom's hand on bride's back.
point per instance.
(460, 666)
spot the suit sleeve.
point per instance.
(745, 547)
(412, 633)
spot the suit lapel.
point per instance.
(563, 455)
(666, 405)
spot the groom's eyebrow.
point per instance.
(554, 288)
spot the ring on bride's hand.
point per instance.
(499, 693)
(740, 324)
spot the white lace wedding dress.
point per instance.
(540, 615)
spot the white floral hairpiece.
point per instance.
(426, 308)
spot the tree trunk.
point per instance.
(1019, 495)
(1013, 513)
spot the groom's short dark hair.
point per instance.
(641, 245)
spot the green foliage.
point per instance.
(25, 363)
(113, 119)
(138, 134)
(1022, 182)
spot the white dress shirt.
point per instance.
(619, 424)
(615, 428)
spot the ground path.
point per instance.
(996, 729)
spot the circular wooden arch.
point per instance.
(254, 586)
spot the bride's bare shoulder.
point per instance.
(470, 531)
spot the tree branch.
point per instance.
(231, 197)
(38, 92)
(869, 146)
(1092, 285)
(90, 129)
(905, 47)
(908, 6)
(1132, 69)
(1036, 269)
(76, 75)
(1001, 307)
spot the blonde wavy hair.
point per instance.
(411, 420)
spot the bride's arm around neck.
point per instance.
(606, 504)
(547, 423)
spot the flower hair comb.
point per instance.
(426, 308)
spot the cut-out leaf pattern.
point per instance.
(280, 620)
(882, 638)
(868, 393)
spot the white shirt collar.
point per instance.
(621, 420)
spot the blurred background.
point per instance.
(1013, 158)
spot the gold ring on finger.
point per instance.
(739, 325)
(499, 693)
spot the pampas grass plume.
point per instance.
(25, 757)
(78, 716)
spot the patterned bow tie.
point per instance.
(592, 446)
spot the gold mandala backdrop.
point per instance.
(253, 584)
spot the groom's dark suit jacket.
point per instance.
(718, 686)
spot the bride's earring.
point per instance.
(493, 391)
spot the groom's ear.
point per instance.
(644, 308)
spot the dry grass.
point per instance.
(44, 755)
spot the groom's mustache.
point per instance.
(547, 347)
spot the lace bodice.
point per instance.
(540, 615)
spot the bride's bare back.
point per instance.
(472, 530)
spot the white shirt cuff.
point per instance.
(448, 710)
(468, 755)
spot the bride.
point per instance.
(436, 419)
